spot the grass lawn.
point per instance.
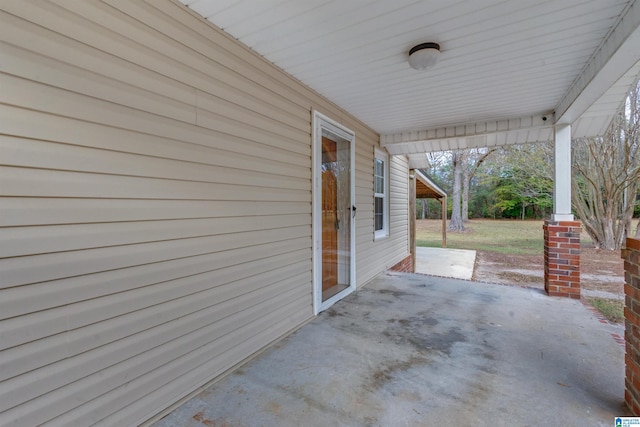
(502, 236)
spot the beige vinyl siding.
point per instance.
(155, 208)
(379, 255)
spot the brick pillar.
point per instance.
(562, 258)
(631, 256)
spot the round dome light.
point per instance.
(424, 55)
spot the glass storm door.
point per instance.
(336, 215)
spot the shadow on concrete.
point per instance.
(413, 350)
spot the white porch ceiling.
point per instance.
(504, 64)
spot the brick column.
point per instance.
(562, 258)
(631, 256)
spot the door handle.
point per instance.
(353, 210)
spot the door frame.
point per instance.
(320, 122)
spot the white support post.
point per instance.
(562, 177)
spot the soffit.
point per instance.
(501, 59)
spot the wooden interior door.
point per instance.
(330, 223)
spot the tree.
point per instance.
(606, 174)
(525, 180)
(455, 223)
(465, 164)
(507, 200)
(472, 160)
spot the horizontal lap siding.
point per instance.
(379, 255)
(155, 208)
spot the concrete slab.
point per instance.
(444, 262)
(414, 350)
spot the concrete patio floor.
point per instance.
(414, 350)
(445, 262)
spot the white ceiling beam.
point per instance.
(499, 132)
(418, 161)
(617, 54)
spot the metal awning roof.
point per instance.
(505, 66)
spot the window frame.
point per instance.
(380, 155)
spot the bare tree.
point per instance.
(465, 164)
(457, 160)
(472, 159)
(606, 174)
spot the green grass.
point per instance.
(502, 236)
(613, 310)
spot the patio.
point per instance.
(445, 262)
(419, 351)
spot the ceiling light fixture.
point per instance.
(424, 55)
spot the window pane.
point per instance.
(379, 213)
(379, 176)
(379, 185)
(379, 168)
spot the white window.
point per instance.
(381, 194)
